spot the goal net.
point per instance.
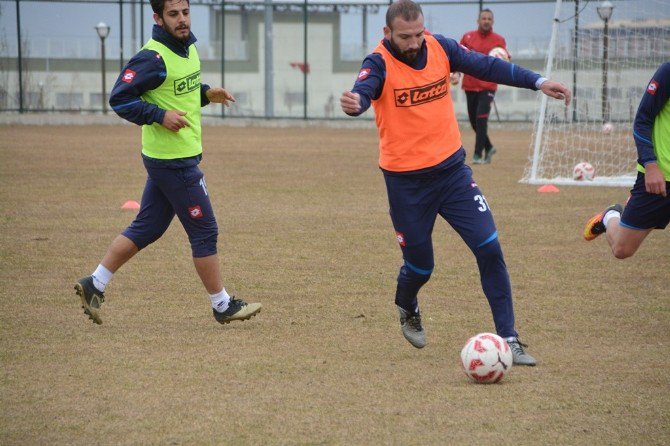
(607, 64)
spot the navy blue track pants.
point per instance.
(415, 202)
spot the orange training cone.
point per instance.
(547, 188)
(130, 204)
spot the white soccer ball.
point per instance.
(583, 171)
(486, 358)
(607, 128)
(499, 53)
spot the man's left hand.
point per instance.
(220, 95)
(556, 90)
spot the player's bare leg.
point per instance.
(209, 272)
(233, 309)
(623, 241)
(92, 296)
(119, 252)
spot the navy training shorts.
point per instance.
(174, 188)
(645, 210)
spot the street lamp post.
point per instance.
(605, 12)
(103, 32)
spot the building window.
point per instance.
(31, 99)
(504, 95)
(526, 95)
(95, 100)
(69, 100)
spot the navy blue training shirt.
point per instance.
(460, 58)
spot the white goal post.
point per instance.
(606, 62)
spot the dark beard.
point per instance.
(173, 33)
(403, 56)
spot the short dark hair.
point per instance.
(485, 10)
(159, 5)
(406, 9)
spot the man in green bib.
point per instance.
(160, 90)
(648, 206)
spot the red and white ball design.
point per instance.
(486, 358)
(608, 128)
(499, 53)
(583, 171)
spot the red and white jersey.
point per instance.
(482, 43)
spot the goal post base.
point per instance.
(624, 181)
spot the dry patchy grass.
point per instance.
(305, 230)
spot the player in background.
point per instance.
(479, 92)
(406, 80)
(648, 207)
(160, 90)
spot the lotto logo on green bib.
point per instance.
(187, 84)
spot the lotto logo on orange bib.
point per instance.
(409, 97)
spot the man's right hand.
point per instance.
(654, 182)
(174, 120)
(350, 102)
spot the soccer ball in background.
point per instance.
(583, 171)
(499, 53)
(486, 358)
(608, 128)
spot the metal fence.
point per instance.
(280, 59)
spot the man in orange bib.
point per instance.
(406, 80)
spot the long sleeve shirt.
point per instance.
(654, 110)
(146, 71)
(370, 81)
